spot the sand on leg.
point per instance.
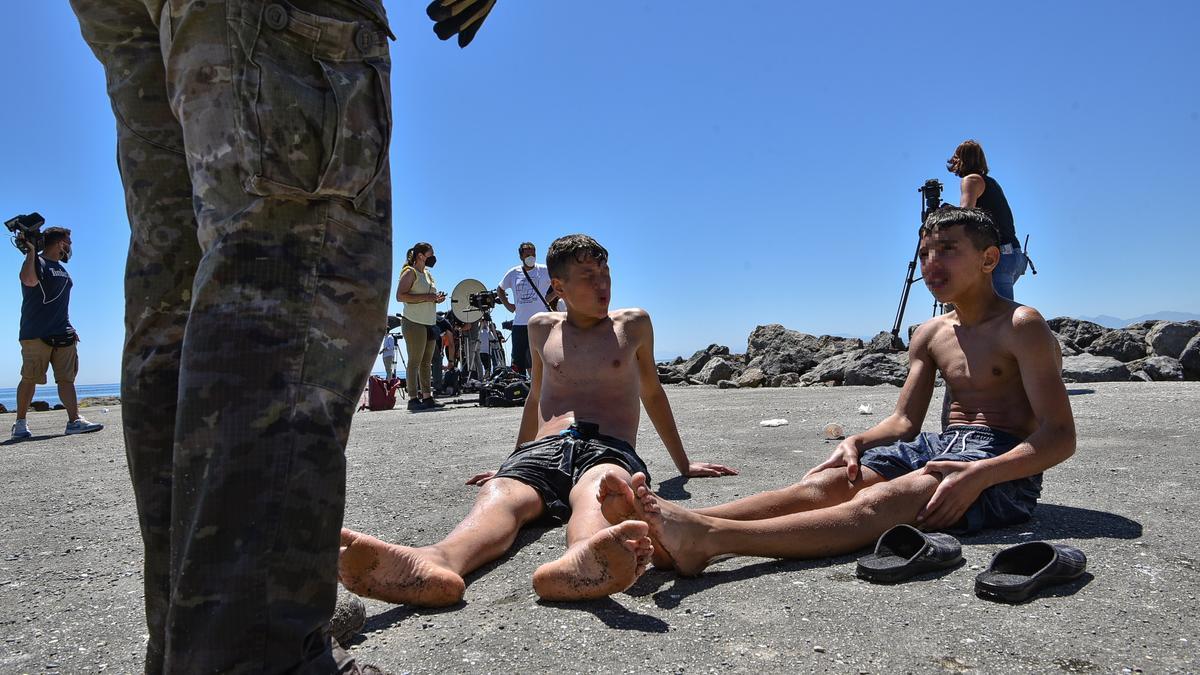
(432, 576)
(601, 558)
(693, 538)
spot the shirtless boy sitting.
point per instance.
(1010, 421)
(590, 368)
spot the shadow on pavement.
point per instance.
(614, 615)
(670, 598)
(1055, 521)
(14, 441)
(673, 489)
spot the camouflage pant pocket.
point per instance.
(313, 102)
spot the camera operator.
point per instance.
(47, 336)
(979, 190)
(530, 284)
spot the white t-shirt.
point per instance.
(523, 295)
(389, 347)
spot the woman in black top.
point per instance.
(979, 190)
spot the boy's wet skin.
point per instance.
(589, 365)
(1003, 364)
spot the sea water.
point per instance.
(49, 393)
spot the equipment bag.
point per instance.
(381, 393)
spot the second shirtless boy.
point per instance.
(592, 370)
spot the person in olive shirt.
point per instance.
(979, 190)
(47, 336)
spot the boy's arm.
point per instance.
(529, 414)
(539, 328)
(1052, 441)
(905, 420)
(658, 408)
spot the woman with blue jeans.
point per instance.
(979, 190)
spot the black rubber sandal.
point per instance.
(1018, 572)
(904, 552)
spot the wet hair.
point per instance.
(524, 245)
(53, 235)
(573, 248)
(976, 223)
(418, 248)
(970, 158)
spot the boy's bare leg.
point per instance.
(432, 576)
(818, 491)
(694, 539)
(601, 558)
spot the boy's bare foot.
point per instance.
(609, 562)
(398, 574)
(618, 504)
(679, 531)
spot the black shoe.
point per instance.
(431, 404)
(416, 405)
(1019, 572)
(904, 552)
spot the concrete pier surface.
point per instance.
(70, 552)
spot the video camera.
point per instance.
(484, 300)
(931, 192)
(27, 231)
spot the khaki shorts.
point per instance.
(37, 356)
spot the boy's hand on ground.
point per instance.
(709, 470)
(481, 478)
(960, 487)
(845, 454)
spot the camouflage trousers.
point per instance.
(253, 147)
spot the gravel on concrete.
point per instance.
(70, 577)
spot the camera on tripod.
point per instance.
(483, 300)
(931, 193)
(27, 231)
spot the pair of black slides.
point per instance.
(1014, 575)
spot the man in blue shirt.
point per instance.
(47, 336)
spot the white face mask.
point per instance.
(529, 261)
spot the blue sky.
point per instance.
(744, 162)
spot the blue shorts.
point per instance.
(554, 464)
(998, 506)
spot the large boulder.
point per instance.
(1123, 345)
(1091, 368)
(670, 374)
(694, 365)
(1157, 368)
(1169, 338)
(832, 369)
(3, 409)
(875, 369)
(785, 380)
(777, 350)
(39, 406)
(715, 370)
(1190, 359)
(1067, 347)
(885, 342)
(751, 377)
(1078, 331)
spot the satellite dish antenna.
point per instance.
(460, 300)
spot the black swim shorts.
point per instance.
(552, 465)
(1002, 504)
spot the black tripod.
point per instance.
(931, 198)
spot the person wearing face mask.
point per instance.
(979, 190)
(46, 334)
(530, 284)
(418, 291)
